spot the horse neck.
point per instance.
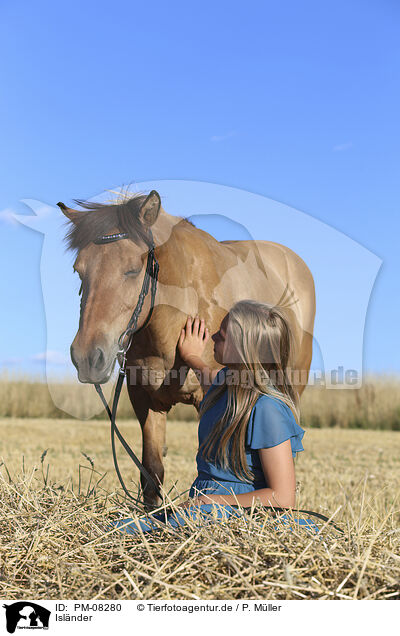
(184, 251)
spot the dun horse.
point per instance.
(197, 275)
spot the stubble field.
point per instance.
(55, 543)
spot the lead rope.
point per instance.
(308, 512)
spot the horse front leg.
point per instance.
(153, 425)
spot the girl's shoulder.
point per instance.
(272, 422)
(271, 403)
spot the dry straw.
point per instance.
(56, 541)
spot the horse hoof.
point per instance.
(149, 506)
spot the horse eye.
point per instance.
(133, 272)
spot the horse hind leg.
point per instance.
(153, 425)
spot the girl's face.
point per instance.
(219, 339)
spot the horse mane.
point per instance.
(99, 219)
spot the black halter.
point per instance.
(124, 342)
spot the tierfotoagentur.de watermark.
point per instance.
(243, 377)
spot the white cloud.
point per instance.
(341, 147)
(51, 357)
(11, 361)
(232, 133)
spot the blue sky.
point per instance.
(296, 102)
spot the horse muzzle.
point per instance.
(94, 367)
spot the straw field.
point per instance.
(58, 489)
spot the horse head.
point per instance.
(111, 273)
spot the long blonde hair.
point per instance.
(260, 341)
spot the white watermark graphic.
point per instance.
(343, 272)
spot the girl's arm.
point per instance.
(278, 467)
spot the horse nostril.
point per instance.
(96, 359)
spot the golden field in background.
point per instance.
(376, 405)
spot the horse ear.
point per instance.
(72, 215)
(150, 209)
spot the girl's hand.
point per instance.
(194, 501)
(193, 339)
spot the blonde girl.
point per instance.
(249, 430)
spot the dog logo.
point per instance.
(26, 615)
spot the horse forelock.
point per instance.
(100, 219)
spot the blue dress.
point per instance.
(271, 422)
